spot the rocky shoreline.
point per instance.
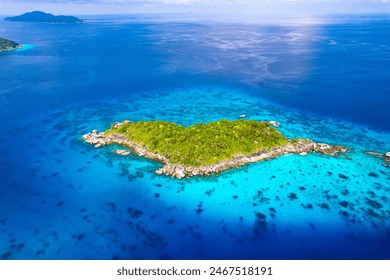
(8, 45)
(298, 146)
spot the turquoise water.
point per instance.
(61, 198)
(88, 203)
(25, 47)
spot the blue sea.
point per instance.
(327, 80)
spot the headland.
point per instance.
(8, 45)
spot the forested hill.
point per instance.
(38, 16)
(8, 45)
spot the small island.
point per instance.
(38, 16)
(204, 149)
(8, 45)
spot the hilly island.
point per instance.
(38, 16)
(204, 149)
(8, 45)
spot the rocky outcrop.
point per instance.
(274, 123)
(387, 158)
(8, 45)
(298, 146)
(99, 139)
(122, 152)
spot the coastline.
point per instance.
(300, 146)
(25, 47)
(19, 48)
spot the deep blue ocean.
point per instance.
(63, 199)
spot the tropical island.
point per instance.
(204, 149)
(8, 45)
(38, 16)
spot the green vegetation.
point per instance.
(8, 45)
(201, 144)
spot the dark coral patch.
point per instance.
(344, 213)
(134, 213)
(6, 255)
(260, 225)
(307, 206)
(344, 204)
(373, 203)
(345, 192)
(260, 216)
(372, 213)
(292, 196)
(324, 206)
(80, 237)
(371, 193)
(342, 176)
(372, 174)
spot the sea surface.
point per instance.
(63, 199)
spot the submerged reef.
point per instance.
(204, 149)
(385, 157)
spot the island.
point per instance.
(204, 149)
(8, 45)
(38, 16)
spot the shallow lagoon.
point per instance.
(62, 199)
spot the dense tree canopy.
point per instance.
(7, 45)
(201, 144)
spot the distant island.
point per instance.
(8, 45)
(38, 16)
(203, 149)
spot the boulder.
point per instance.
(122, 152)
(303, 154)
(274, 123)
(195, 172)
(387, 154)
(117, 124)
(179, 173)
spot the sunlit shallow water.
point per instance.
(63, 199)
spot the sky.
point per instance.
(84, 7)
